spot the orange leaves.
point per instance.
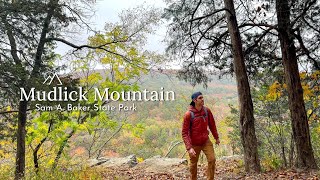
(79, 151)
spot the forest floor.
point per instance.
(226, 169)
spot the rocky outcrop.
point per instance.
(161, 164)
(125, 162)
(155, 164)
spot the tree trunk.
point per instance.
(61, 148)
(248, 135)
(22, 114)
(283, 153)
(300, 126)
(35, 154)
(22, 117)
(36, 150)
(21, 134)
(291, 153)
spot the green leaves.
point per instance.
(137, 130)
(125, 60)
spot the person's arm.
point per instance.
(186, 130)
(213, 127)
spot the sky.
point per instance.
(107, 11)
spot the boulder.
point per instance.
(162, 165)
(129, 161)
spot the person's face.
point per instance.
(199, 101)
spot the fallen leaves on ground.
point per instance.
(225, 169)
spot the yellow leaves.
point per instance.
(66, 125)
(273, 96)
(3, 143)
(132, 52)
(37, 140)
(274, 92)
(307, 92)
(284, 86)
(75, 114)
(309, 83)
(94, 78)
(97, 40)
(120, 53)
(140, 159)
(6, 147)
(82, 127)
(315, 75)
(303, 75)
(115, 33)
(106, 60)
(2, 153)
(311, 86)
(50, 162)
(274, 87)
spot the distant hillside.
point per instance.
(156, 125)
(218, 94)
(223, 89)
(162, 119)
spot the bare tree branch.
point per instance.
(101, 47)
(258, 25)
(305, 9)
(256, 42)
(306, 50)
(210, 14)
(192, 16)
(203, 36)
(312, 27)
(14, 111)
(13, 43)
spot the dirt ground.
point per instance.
(226, 169)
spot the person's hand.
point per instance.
(217, 141)
(192, 152)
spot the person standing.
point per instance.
(195, 135)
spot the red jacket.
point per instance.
(199, 133)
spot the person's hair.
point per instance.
(194, 96)
(192, 103)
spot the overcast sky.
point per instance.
(107, 11)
